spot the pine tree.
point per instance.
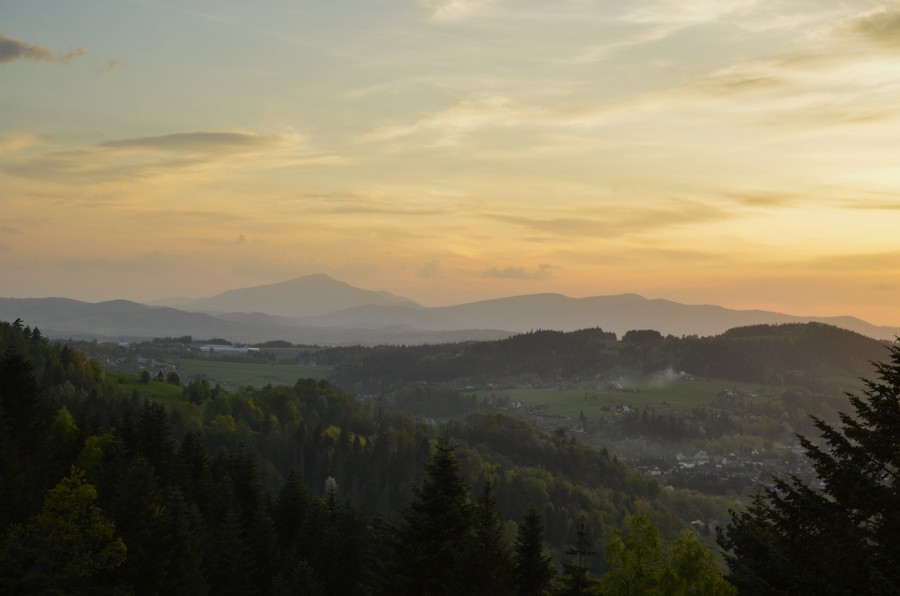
(534, 569)
(577, 580)
(24, 419)
(842, 538)
(435, 529)
(153, 438)
(489, 565)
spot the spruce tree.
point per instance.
(533, 565)
(840, 538)
(431, 542)
(577, 579)
(489, 565)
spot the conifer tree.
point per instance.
(489, 565)
(534, 569)
(841, 538)
(435, 529)
(577, 580)
(24, 419)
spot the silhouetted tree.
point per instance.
(534, 569)
(841, 538)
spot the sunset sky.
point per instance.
(735, 152)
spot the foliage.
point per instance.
(640, 565)
(841, 535)
(223, 492)
(534, 570)
(70, 547)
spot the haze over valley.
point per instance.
(447, 297)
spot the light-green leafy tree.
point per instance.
(70, 547)
(639, 564)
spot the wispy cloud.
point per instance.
(618, 221)
(190, 153)
(13, 49)
(655, 20)
(880, 26)
(449, 11)
(884, 288)
(542, 271)
(685, 12)
(145, 263)
(429, 269)
(193, 141)
(449, 125)
(375, 203)
(872, 261)
(22, 141)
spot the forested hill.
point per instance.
(276, 490)
(772, 354)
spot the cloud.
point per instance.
(429, 269)
(760, 198)
(686, 12)
(144, 263)
(734, 80)
(193, 141)
(872, 206)
(884, 288)
(880, 26)
(175, 154)
(373, 203)
(542, 271)
(449, 125)
(449, 11)
(620, 220)
(656, 20)
(13, 49)
(879, 261)
(19, 142)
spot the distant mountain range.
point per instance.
(317, 309)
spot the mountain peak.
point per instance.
(304, 296)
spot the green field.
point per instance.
(158, 390)
(672, 396)
(232, 375)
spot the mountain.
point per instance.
(62, 317)
(317, 309)
(619, 314)
(301, 297)
(625, 312)
(122, 319)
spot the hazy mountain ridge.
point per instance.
(310, 295)
(319, 309)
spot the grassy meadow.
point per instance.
(676, 395)
(232, 375)
(159, 390)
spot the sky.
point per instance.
(736, 152)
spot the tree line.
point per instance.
(769, 354)
(103, 492)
